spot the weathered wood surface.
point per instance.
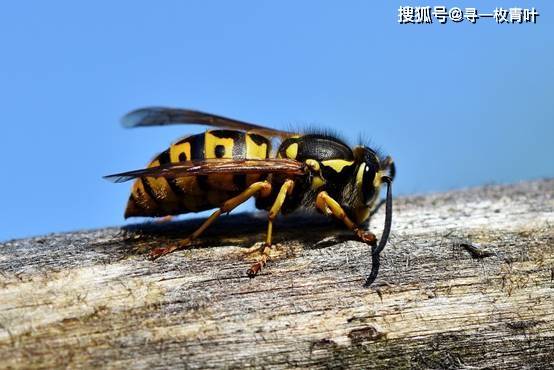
(91, 298)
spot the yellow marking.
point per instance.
(377, 180)
(141, 196)
(313, 164)
(176, 149)
(317, 182)
(337, 164)
(292, 151)
(160, 186)
(222, 182)
(189, 185)
(255, 151)
(360, 176)
(211, 141)
(286, 154)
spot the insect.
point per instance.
(224, 167)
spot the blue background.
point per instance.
(457, 105)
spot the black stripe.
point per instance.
(258, 139)
(163, 157)
(228, 134)
(197, 147)
(148, 189)
(184, 140)
(175, 188)
(198, 152)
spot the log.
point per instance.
(467, 280)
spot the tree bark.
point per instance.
(467, 280)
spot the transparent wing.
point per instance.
(160, 116)
(214, 166)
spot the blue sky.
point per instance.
(456, 105)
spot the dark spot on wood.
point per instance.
(322, 344)
(70, 320)
(475, 250)
(364, 334)
(523, 324)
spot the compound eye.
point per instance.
(368, 187)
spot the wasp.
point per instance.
(224, 167)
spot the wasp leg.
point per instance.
(326, 204)
(263, 187)
(286, 189)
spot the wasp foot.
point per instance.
(261, 262)
(366, 237)
(162, 251)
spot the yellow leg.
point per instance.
(286, 189)
(263, 187)
(326, 204)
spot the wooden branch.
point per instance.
(467, 280)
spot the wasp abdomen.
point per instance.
(161, 196)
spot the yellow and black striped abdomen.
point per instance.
(162, 197)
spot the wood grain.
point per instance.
(466, 281)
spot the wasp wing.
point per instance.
(214, 166)
(160, 116)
